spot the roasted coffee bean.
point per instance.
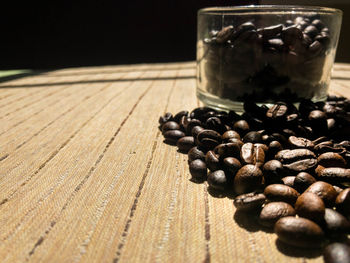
(325, 191)
(331, 159)
(184, 120)
(249, 202)
(217, 180)
(335, 223)
(236, 141)
(214, 123)
(198, 169)
(208, 139)
(191, 124)
(196, 153)
(245, 27)
(273, 148)
(253, 137)
(212, 161)
(302, 181)
(311, 206)
(231, 166)
(334, 175)
(299, 232)
(305, 107)
(337, 253)
(172, 136)
(311, 31)
(196, 130)
(179, 115)
(318, 24)
(291, 34)
(170, 125)
(184, 144)
(277, 112)
(241, 126)
(247, 179)
(281, 192)
(297, 160)
(165, 118)
(338, 189)
(252, 154)
(342, 202)
(273, 172)
(231, 134)
(318, 121)
(224, 34)
(272, 212)
(299, 142)
(198, 113)
(271, 31)
(289, 180)
(227, 150)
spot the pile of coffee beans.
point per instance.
(288, 165)
(267, 62)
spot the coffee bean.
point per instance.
(217, 180)
(179, 115)
(214, 123)
(299, 142)
(231, 134)
(311, 206)
(224, 34)
(249, 202)
(318, 121)
(297, 160)
(334, 175)
(271, 31)
(311, 31)
(231, 165)
(241, 126)
(337, 253)
(196, 130)
(273, 172)
(331, 159)
(289, 180)
(252, 154)
(253, 137)
(291, 34)
(170, 125)
(172, 136)
(227, 150)
(208, 139)
(196, 153)
(342, 202)
(302, 181)
(247, 179)
(277, 112)
(299, 232)
(165, 118)
(191, 124)
(281, 192)
(335, 223)
(185, 143)
(273, 148)
(318, 24)
(325, 191)
(212, 161)
(272, 212)
(198, 169)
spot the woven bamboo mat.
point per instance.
(85, 175)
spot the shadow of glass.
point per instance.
(296, 251)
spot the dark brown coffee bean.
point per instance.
(302, 181)
(276, 43)
(253, 137)
(334, 175)
(198, 113)
(282, 193)
(227, 150)
(208, 139)
(184, 144)
(277, 112)
(337, 253)
(196, 153)
(299, 232)
(273, 149)
(249, 202)
(179, 115)
(224, 34)
(272, 212)
(291, 34)
(315, 48)
(297, 160)
(325, 191)
(299, 142)
(165, 118)
(236, 141)
(198, 169)
(271, 31)
(214, 123)
(172, 136)
(338, 189)
(289, 180)
(331, 159)
(245, 27)
(251, 154)
(311, 31)
(335, 223)
(217, 180)
(191, 124)
(342, 203)
(318, 24)
(318, 121)
(231, 166)
(273, 172)
(230, 135)
(212, 161)
(196, 130)
(247, 179)
(241, 126)
(170, 125)
(311, 206)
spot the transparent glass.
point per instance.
(265, 53)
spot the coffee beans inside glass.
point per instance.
(265, 54)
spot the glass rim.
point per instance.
(276, 8)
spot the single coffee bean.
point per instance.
(291, 34)
(273, 148)
(170, 125)
(249, 202)
(247, 179)
(318, 24)
(273, 172)
(237, 141)
(165, 118)
(337, 253)
(230, 135)
(272, 212)
(331, 159)
(315, 48)
(172, 136)
(198, 169)
(318, 121)
(271, 31)
(224, 34)
(179, 115)
(191, 124)
(185, 143)
(299, 232)
(253, 137)
(217, 180)
(335, 223)
(214, 123)
(289, 180)
(251, 154)
(241, 126)
(311, 206)
(282, 193)
(311, 31)
(302, 181)
(338, 189)
(277, 112)
(227, 150)
(196, 153)
(342, 203)
(325, 191)
(208, 139)
(198, 113)
(334, 175)
(212, 161)
(231, 166)
(297, 160)
(299, 142)
(196, 130)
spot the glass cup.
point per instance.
(265, 54)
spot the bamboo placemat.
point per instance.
(85, 175)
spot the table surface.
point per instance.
(85, 175)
